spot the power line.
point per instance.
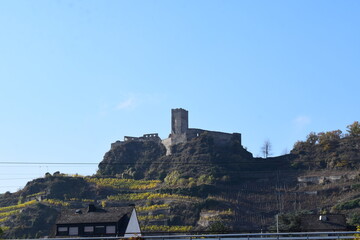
(49, 163)
(14, 178)
(262, 162)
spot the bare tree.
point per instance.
(266, 148)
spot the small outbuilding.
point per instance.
(95, 221)
(323, 223)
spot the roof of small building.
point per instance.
(327, 222)
(93, 214)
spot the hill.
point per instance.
(200, 186)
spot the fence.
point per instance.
(243, 236)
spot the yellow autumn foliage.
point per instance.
(36, 194)
(175, 229)
(152, 207)
(151, 217)
(56, 202)
(9, 213)
(81, 200)
(357, 235)
(18, 206)
(146, 195)
(124, 183)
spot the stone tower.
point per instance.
(179, 121)
(179, 125)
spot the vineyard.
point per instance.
(81, 200)
(18, 206)
(157, 228)
(124, 183)
(56, 202)
(6, 212)
(152, 217)
(146, 196)
(152, 207)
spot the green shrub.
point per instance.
(348, 205)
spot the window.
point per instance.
(99, 229)
(88, 229)
(110, 229)
(62, 229)
(73, 231)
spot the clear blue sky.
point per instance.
(76, 76)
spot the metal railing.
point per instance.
(234, 236)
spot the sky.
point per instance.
(77, 75)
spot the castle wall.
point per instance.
(178, 138)
(220, 138)
(145, 137)
(115, 144)
(193, 133)
(180, 133)
(167, 143)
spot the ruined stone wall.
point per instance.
(304, 180)
(115, 144)
(220, 138)
(180, 133)
(178, 138)
(167, 143)
(145, 137)
(193, 133)
(151, 136)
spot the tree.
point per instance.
(172, 178)
(266, 148)
(1, 231)
(329, 136)
(312, 138)
(218, 227)
(354, 129)
(330, 140)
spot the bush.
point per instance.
(354, 219)
(348, 205)
(218, 227)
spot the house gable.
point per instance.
(94, 221)
(133, 228)
(327, 222)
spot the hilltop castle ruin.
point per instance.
(181, 133)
